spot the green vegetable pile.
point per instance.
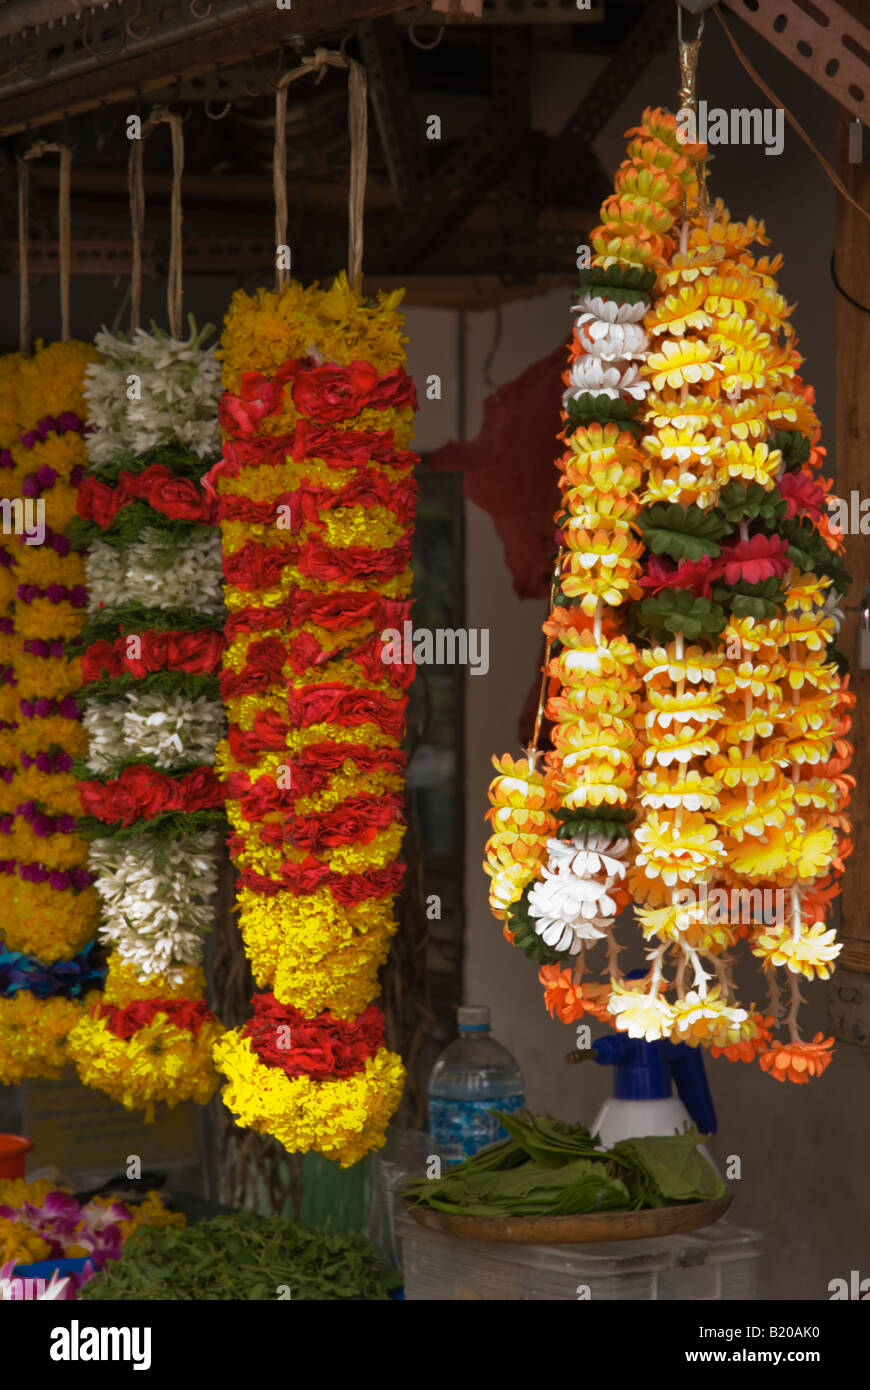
(547, 1168)
(242, 1257)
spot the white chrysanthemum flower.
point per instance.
(586, 855)
(177, 395)
(612, 341)
(609, 309)
(589, 374)
(571, 900)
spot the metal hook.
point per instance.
(255, 89)
(101, 134)
(412, 34)
(21, 65)
(195, 12)
(131, 22)
(211, 116)
(98, 52)
(279, 68)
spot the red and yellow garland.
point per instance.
(317, 500)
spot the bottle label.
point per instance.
(461, 1127)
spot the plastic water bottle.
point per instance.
(473, 1075)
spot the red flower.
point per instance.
(395, 390)
(754, 560)
(697, 575)
(101, 658)
(178, 498)
(96, 501)
(141, 793)
(320, 1047)
(334, 393)
(182, 1013)
(200, 790)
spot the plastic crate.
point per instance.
(720, 1262)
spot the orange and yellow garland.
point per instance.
(699, 714)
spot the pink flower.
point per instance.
(802, 494)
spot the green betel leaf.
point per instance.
(759, 601)
(807, 550)
(741, 502)
(672, 1163)
(683, 533)
(675, 611)
(794, 447)
(581, 409)
(526, 939)
(612, 277)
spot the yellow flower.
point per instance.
(34, 1036)
(160, 1062)
(678, 363)
(679, 853)
(707, 1019)
(343, 1118)
(40, 921)
(809, 954)
(20, 1243)
(639, 1015)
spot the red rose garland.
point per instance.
(317, 499)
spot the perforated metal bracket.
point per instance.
(820, 38)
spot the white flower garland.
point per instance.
(157, 892)
(176, 386)
(150, 572)
(169, 731)
(158, 899)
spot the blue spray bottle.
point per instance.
(644, 1077)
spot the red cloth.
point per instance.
(508, 469)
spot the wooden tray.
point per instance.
(575, 1230)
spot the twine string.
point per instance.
(36, 151)
(792, 120)
(357, 120)
(136, 187)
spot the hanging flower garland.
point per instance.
(48, 962)
(150, 656)
(317, 500)
(699, 765)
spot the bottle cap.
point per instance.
(473, 1017)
